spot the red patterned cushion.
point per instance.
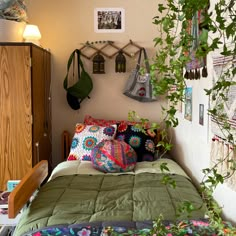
(89, 120)
(113, 156)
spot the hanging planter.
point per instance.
(13, 18)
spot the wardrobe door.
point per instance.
(41, 138)
(15, 110)
(48, 107)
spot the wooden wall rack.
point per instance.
(107, 47)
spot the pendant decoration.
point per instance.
(98, 64)
(120, 62)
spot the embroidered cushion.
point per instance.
(113, 156)
(142, 143)
(86, 137)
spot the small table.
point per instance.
(6, 225)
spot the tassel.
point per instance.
(186, 75)
(195, 74)
(204, 72)
(191, 75)
(198, 74)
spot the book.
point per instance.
(11, 184)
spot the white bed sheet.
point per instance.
(85, 167)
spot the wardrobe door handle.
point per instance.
(37, 151)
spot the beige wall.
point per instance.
(192, 143)
(64, 25)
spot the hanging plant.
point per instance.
(181, 52)
(14, 10)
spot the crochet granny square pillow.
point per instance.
(86, 137)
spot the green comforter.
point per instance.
(72, 199)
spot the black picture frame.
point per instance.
(109, 20)
(201, 114)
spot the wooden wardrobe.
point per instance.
(25, 109)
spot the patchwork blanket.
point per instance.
(186, 228)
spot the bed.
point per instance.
(80, 199)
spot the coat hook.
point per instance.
(103, 49)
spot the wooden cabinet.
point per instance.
(25, 109)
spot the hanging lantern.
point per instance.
(98, 64)
(120, 62)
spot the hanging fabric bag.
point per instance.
(81, 89)
(139, 85)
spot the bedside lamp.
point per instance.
(32, 34)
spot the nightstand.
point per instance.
(7, 225)
(6, 230)
(5, 221)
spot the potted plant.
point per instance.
(13, 17)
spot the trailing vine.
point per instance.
(172, 43)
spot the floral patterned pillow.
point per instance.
(142, 143)
(86, 137)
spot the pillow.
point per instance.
(142, 143)
(86, 137)
(113, 156)
(89, 120)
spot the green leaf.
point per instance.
(203, 36)
(164, 167)
(230, 29)
(161, 8)
(157, 41)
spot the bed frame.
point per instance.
(25, 189)
(65, 144)
(33, 180)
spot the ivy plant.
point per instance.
(167, 70)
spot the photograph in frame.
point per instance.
(201, 114)
(109, 20)
(188, 104)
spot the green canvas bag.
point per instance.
(81, 89)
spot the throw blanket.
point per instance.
(186, 228)
(138, 196)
